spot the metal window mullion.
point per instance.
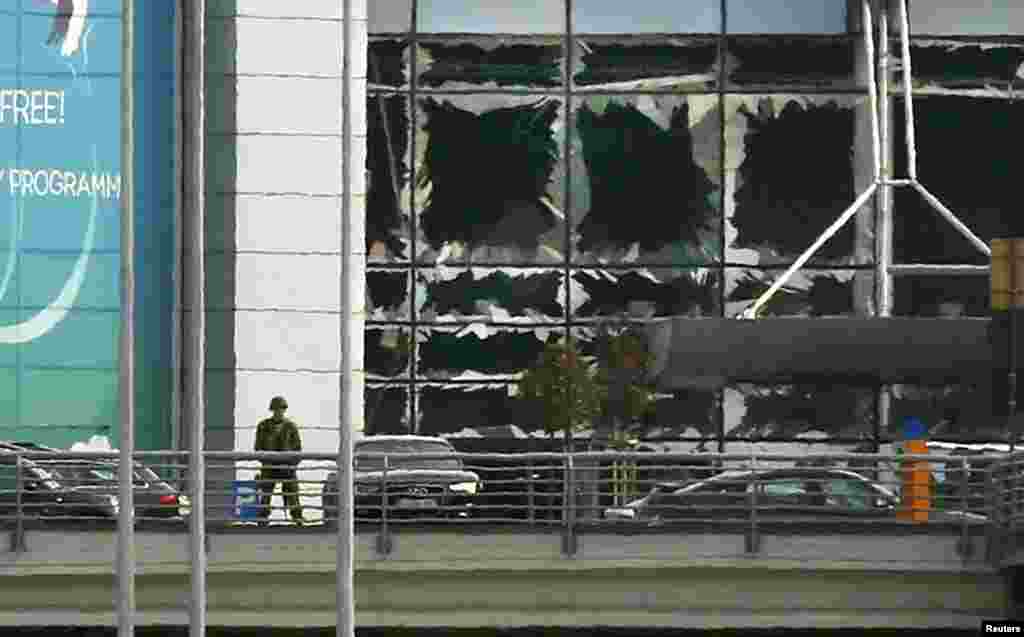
(722, 153)
(567, 96)
(414, 345)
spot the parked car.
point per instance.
(411, 486)
(58, 487)
(512, 488)
(815, 493)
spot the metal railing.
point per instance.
(573, 492)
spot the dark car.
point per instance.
(789, 494)
(54, 487)
(520, 489)
(411, 486)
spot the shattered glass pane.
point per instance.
(387, 64)
(646, 64)
(806, 63)
(941, 296)
(508, 295)
(645, 293)
(478, 351)
(645, 174)
(786, 16)
(387, 165)
(684, 414)
(389, 16)
(996, 66)
(494, 16)
(950, 412)
(968, 158)
(388, 351)
(650, 16)
(790, 173)
(387, 409)
(387, 295)
(803, 411)
(475, 411)
(954, 17)
(489, 184)
(807, 293)
(468, 63)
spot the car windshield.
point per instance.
(405, 446)
(81, 474)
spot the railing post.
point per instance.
(529, 491)
(18, 541)
(754, 543)
(384, 536)
(992, 533)
(568, 508)
(965, 540)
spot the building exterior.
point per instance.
(531, 170)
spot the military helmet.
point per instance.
(278, 402)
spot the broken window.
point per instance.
(494, 16)
(389, 16)
(485, 183)
(954, 17)
(958, 411)
(651, 16)
(646, 64)
(941, 296)
(794, 175)
(647, 292)
(386, 408)
(387, 161)
(387, 351)
(806, 63)
(477, 351)
(684, 414)
(387, 64)
(786, 16)
(474, 63)
(388, 295)
(507, 295)
(651, 169)
(814, 410)
(453, 409)
(807, 293)
(958, 65)
(967, 156)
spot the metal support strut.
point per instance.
(880, 180)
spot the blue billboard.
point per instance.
(60, 197)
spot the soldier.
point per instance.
(278, 433)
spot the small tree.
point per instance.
(564, 389)
(625, 365)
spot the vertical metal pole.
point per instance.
(755, 539)
(568, 506)
(884, 230)
(19, 512)
(352, 292)
(965, 485)
(908, 93)
(529, 491)
(126, 363)
(196, 343)
(384, 537)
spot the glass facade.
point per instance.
(60, 193)
(536, 169)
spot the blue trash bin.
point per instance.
(247, 500)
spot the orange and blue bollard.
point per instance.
(916, 492)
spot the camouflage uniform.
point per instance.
(279, 435)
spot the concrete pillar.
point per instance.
(276, 202)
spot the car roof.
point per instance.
(395, 438)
